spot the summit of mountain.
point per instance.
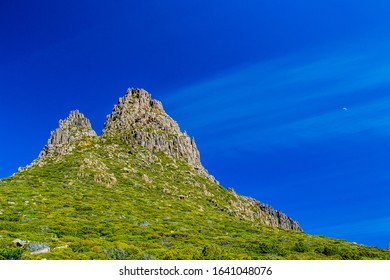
(139, 119)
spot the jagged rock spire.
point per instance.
(72, 128)
(137, 117)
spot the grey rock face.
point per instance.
(72, 128)
(137, 117)
(275, 217)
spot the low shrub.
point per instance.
(11, 253)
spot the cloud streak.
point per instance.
(290, 100)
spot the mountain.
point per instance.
(140, 191)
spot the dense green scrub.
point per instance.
(105, 200)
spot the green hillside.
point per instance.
(114, 197)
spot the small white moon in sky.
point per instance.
(345, 108)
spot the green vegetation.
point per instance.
(106, 200)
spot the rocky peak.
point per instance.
(75, 126)
(137, 118)
(138, 110)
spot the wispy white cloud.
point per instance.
(289, 100)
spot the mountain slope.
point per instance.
(140, 192)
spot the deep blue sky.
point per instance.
(288, 100)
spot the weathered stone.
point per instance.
(71, 129)
(45, 250)
(146, 178)
(38, 248)
(19, 242)
(139, 118)
(275, 217)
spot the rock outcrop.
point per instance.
(275, 217)
(137, 117)
(71, 129)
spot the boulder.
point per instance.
(19, 242)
